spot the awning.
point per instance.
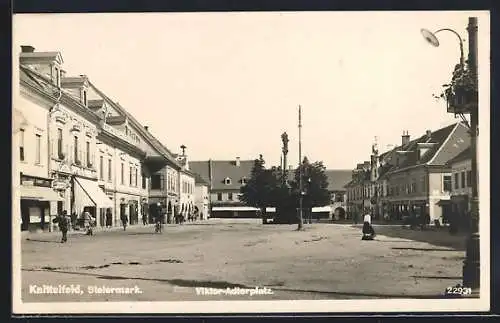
(234, 208)
(322, 209)
(39, 193)
(88, 193)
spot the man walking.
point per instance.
(64, 221)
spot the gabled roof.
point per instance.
(447, 143)
(44, 55)
(338, 178)
(222, 169)
(95, 104)
(199, 180)
(138, 127)
(464, 155)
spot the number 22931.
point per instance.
(458, 291)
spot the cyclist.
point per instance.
(158, 219)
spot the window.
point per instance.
(109, 170)
(462, 177)
(75, 151)
(447, 183)
(57, 75)
(469, 178)
(243, 180)
(156, 182)
(87, 151)
(227, 181)
(60, 143)
(143, 181)
(230, 196)
(101, 168)
(135, 178)
(38, 149)
(456, 181)
(130, 180)
(84, 98)
(21, 144)
(219, 196)
(122, 174)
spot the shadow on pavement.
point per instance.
(438, 277)
(422, 249)
(223, 285)
(47, 241)
(433, 237)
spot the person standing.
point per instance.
(109, 218)
(64, 222)
(124, 220)
(368, 231)
(88, 222)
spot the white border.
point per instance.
(323, 306)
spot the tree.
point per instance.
(260, 189)
(315, 185)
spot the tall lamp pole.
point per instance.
(471, 268)
(301, 188)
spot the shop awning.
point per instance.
(88, 193)
(39, 193)
(234, 208)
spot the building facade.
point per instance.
(337, 180)
(202, 198)
(225, 179)
(31, 160)
(461, 182)
(413, 178)
(87, 151)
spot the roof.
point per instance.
(464, 155)
(35, 55)
(338, 178)
(222, 169)
(199, 180)
(152, 140)
(446, 143)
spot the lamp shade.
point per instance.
(430, 37)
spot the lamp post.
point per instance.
(301, 188)
(471, 268)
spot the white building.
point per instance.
(202, 198)
(30, 156)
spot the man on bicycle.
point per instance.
(158, 218)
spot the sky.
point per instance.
(228, 85)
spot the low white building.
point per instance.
(202, 198)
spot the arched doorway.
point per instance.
(339, 213)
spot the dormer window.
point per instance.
(243, 180)
(227, 181)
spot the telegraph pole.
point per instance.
(471, 268)
(300, 172)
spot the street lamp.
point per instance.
(471, 268)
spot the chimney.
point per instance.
(237, 163)
(27, 49)
(405, 138)
(428, 133)
(146, 128)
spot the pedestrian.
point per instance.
(144, 218)
(64, 222)
(88, 222)
(368, 231)
(124, 220)
(109, 218)
(74, 219)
